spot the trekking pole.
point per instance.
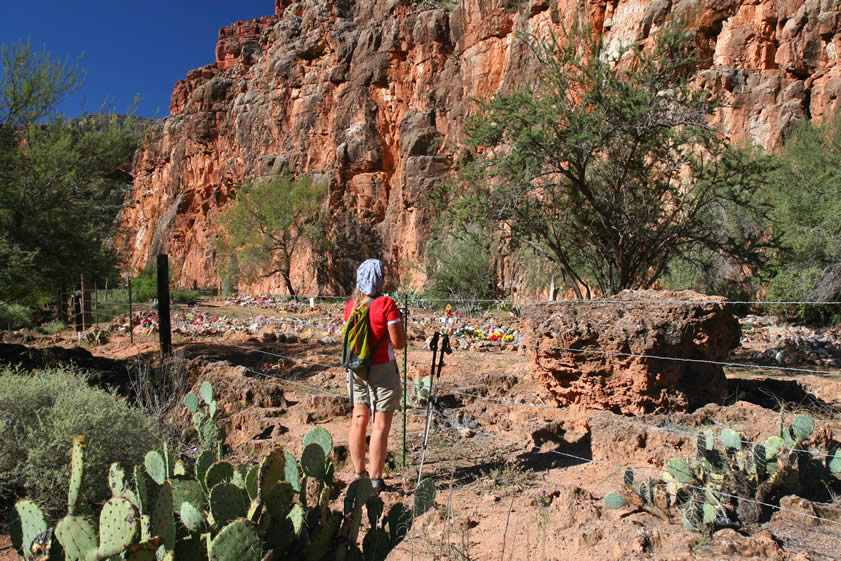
(405, 314)
(433, 390)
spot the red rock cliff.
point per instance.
(372, 97)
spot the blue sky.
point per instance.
(128, 47)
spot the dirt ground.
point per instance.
(517, 478)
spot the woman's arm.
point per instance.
(397, 335)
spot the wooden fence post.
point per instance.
(163, 305)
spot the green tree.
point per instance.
(265, 224)
(806, 194)
(62, 182)
(608, 167)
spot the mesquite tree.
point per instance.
(265, 225)
(608, 166)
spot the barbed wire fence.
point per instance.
(448, 423)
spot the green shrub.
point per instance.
(14, 316)
(462, 270)
(52, 327)
(41, 412)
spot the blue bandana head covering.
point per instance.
(369, 277)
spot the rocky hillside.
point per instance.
(372, 98)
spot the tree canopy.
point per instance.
(264, 225)
(608, 166)
(62, 182)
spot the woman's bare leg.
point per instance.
(356, 440)
(381, 426)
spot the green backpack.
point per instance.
(357, 337)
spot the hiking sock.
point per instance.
(362, 475)
(378, 485)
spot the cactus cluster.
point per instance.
(204, 407)
(705, 493)
(217, 511)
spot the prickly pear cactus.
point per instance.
(78, 467)
(802, 427)
(313, 461)
(424, 497)
(219, 472)
(119, 527)
(162, 521)
(192, 518)
(116, 480)
(32, 523)
(203, 463)
(155, 467)
(238, 541)
(321, 437)
(227, 503)
(77, 536)
(206, 392)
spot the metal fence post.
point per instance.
(130, 318)
(163, 305)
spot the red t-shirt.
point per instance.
(382, 312)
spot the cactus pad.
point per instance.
(321, 437)
(162, 521)
(77, 473)
(192, 518)
(191, 402)
(206, 391)
(32, 522)
(155, 466)
(424, 497)
(680, 470)
(219, 472)
(399, 521)
(238, 541)
(297, 515)
(291, 472)
(251, 482)
(272, 472)
(77, 536)
(709, 513)
(834, 462)
(227, 503)
(376, 545)
(773, 446)
(187, 490)
(731, 439)
(116, 480)
(313, 460)
(119, 527)
(614, 500)
(628, 478)
(203, 463)
(802, 427)
(278, 499)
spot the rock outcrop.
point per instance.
(606, 356)
(372, 97)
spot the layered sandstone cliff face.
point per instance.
(372, 96)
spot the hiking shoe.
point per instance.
(379, 486)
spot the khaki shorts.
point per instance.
(383, 384)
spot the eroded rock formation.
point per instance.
(371, 97)
(591, 356)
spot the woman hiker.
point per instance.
(376, 398)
